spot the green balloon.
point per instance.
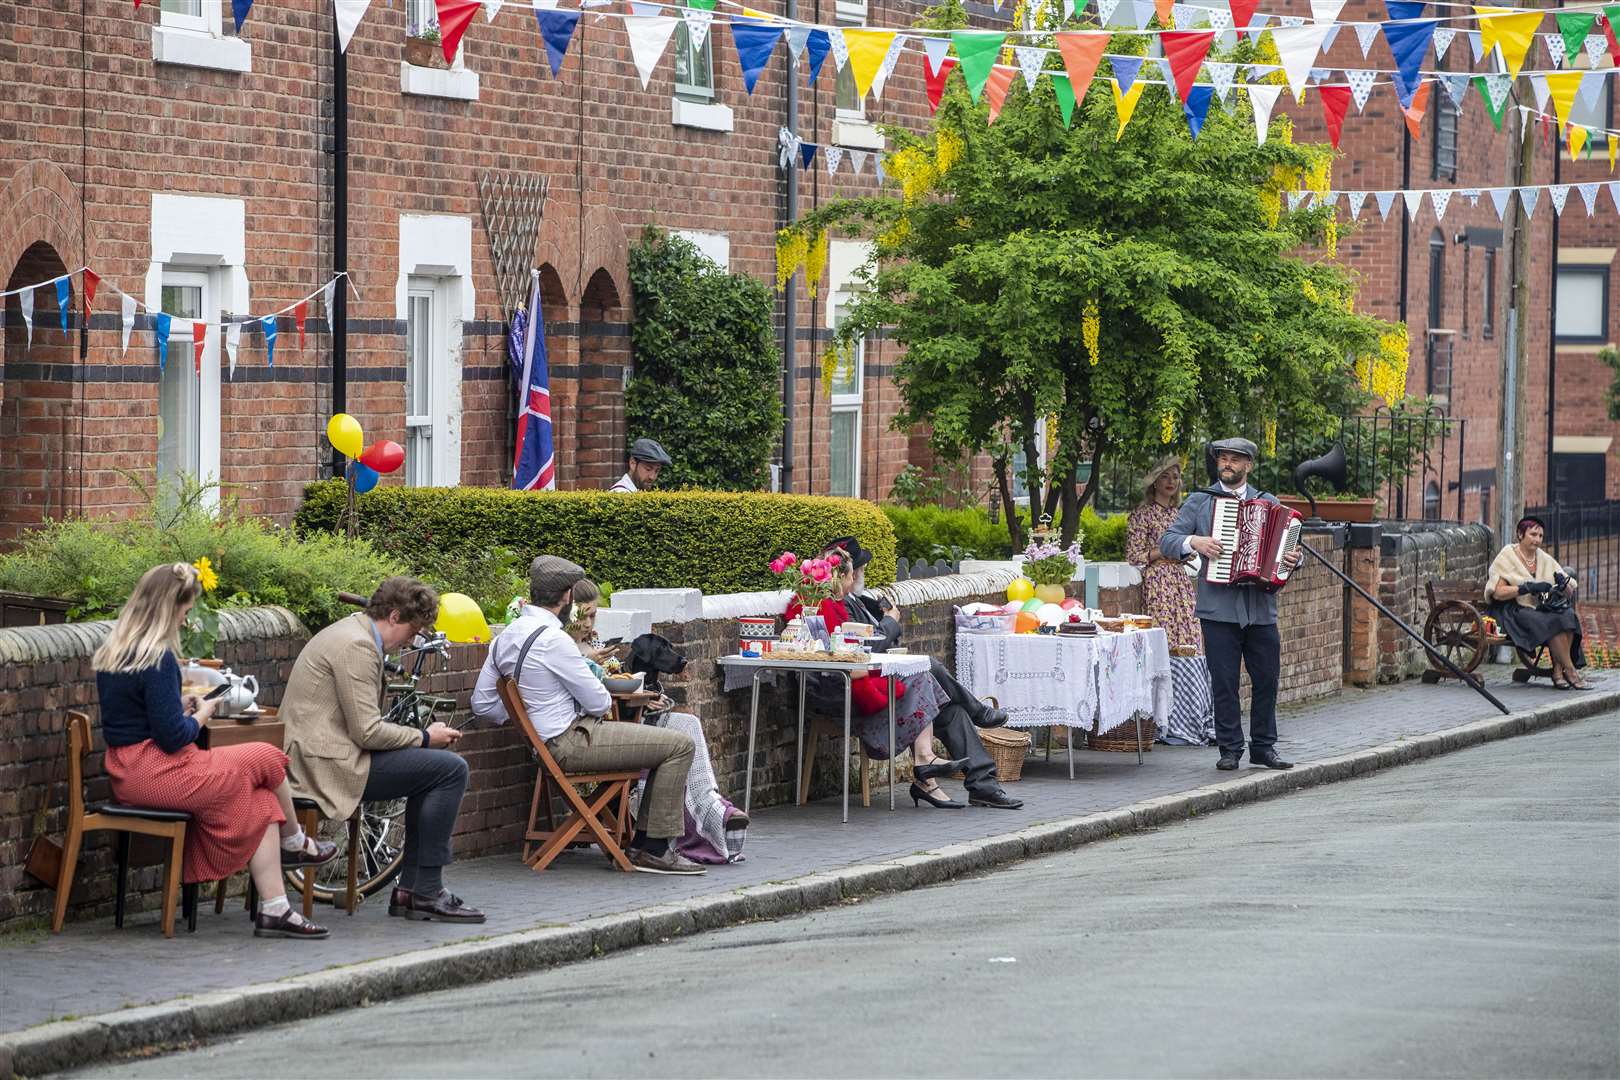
(1032, 605)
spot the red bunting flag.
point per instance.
(1243, 13)
(454, 17)
(1335, 102)
(1614, 37)
(199, 341)
(935, 82)
(91, 280)
(1080, 53)
(1414, 112)
(301, 309)
(996, 88)
(1186, 49)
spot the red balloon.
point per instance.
(384, 455)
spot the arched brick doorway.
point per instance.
(41, 426)
(604, 360)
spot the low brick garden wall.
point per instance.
(1410, 556)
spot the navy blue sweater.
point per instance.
(145, 704)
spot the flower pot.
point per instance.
(1050, 594)
(421, 52)
(1352, 510)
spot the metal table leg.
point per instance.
(844, 772)
(798, 756)
(1139, 737)
(893, 749)
(1068, 733)
(748, 767)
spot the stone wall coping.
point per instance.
(77, 641)
(904, 593)
(1410, 538)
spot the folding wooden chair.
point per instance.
(610, 797)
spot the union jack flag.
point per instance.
(534, 462)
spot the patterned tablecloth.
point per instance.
(1095, 684)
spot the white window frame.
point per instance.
(696, 58)
(1601, 277)
(420, 426)
(1017, 474)
(414, 8)
(849, 402)
(181, 364)
(850, 13)
(207, 40)
(435, 253)
(210, 22)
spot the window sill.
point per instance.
(695, 114)
(456, 84)
(188, 48)
(859, 134)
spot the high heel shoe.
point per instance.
(938, 767)
(923, 795)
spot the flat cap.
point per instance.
(550, 575)
(1236, 446)
(648, 450)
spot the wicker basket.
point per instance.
(1123, 738)
(1008, 748)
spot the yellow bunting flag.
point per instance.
(1561, 86)
(867, 48)
(763, 16)
(1125, 104)
(1576, 139)
(1614, 150)
(1513, 30)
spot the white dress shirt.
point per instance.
(1186, 545)
(556, 684)
(625, 484)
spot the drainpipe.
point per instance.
(340, 234)
(1547, 497)
(790, 321)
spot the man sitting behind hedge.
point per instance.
(647, 459)
(567, 704)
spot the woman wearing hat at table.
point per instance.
(1531, 596)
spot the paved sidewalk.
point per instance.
(93, 969)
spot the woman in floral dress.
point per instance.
(1169, 594)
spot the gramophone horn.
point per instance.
(1331, 467)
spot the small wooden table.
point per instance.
(263, 727)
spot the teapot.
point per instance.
(241, 694)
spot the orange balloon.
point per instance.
(1025, 623)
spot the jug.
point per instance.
(241, 696)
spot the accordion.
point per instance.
(1256, 537)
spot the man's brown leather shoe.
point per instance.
(446, 907)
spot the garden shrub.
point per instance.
(707, 373)
(719, 542)
(933, 532)
(1104, 537)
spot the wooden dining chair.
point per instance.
(309, 819)
(832, 727)
(589, 796)
(125, 820)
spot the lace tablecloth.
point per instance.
(1095, 684)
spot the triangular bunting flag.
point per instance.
(1414, 202)
(25, 303)
(164, 324)
(755, 42)
(1080, 53)
(1243, 13)
(1143, 11)
(1573, 27)
(977, 49)
(328, 295)
(1414, 112)
(1476, 45)
(1196, 107)
(1555, 49)
(1596, 46)
(126, 315)
(239, 11)
(934, 83)
(1494, 89)
(1165, 10)
(1326, 10)
(1185, 16)
(1440, 200)
(1527, 199)
(1297, 48)
(935, 50)
(1185, 51)
(556, 30)
(199, 342)
(1356, 199)
(818, 45)
(1543, 92)
(1589, 197)
(492, 8)
(697, 25)
(857, 161)
(1384, 199)
(454, 18)
(1105, 11)
(1456, 89)
(1559, 193)
(1471, 194)
(64, 291)
(797, 38)
(1561, 87)
(1591, 93)
(1511, 31)
(1262, 96)
(300, 312)
(1065, 97)
(1499, 199)
(1030, 61)
(649, 36)
(1125, 104)
(1443, 37)
(1335, 103)
(1614, 194)
(268, 326)
(1361, 84)
(1408, 42)
(867, 48)
(1405, 9)
(834, 156)
(1290, 21)
(995, 89)
(1366, 34)
(1295, 198)
(233, 341)
(1576, 138)
(840, 47)
(91, 280)
(1220, 77)
(1126, 69)
(347, 14)
(807, 154)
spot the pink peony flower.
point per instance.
(819, 574)
(788, 558)
(777, 566)
(833, 560)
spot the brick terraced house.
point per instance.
(191, 167)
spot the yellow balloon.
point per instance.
(461, 620)
(343, 432)
(1021, 589)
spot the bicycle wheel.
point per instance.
(382, 848)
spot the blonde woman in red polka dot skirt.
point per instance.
(240, 805)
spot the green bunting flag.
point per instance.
(1574, 26)
(1065, 95)
(977, 50)
(1494, 107)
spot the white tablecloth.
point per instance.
(739, 671)
(1095, 683)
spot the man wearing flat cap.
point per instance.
(1239, 623)
(567, 704)
(647, 459)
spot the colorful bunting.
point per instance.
(935, 51)
(807, 154)
(1165, 10)
(818, 45)
(1243, 13)
(755, 43)
(1335, 103)
(1494, 89)
(1126, 69)
(239, 11)
(891, 60)
(1414, 112)
(934, 83)
(163, 325)
(1081, 53)
(1573, 27)
(1297, 48)
(300, 311)
(126, 304)
(867, 48)
(268, 325)
(1405, 9)
(1262, 96)
(64, 289)
(199, 342)
(556, 30)
(1030, 62)
(1561, 87)
(977, 49)
(1408, 42)
(697, 25)
(25, 302)
(996, 87)
(649, 36)
(1185, 51)
(1125, 104)
(454, 18)
(233, 342)
(1064, 88)
(91, 280)
(1196, 107)
(1510, 31)
(1576, 138)
(1361, 84)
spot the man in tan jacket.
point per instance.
(341, 752)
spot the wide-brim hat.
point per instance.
(1160, 467)
(849, 545)
(549, 575)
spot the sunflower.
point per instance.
(206, 575)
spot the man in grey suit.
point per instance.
(1239, 624)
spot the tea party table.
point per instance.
(1091, 684)
(881, 665)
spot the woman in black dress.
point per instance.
(1531, 596)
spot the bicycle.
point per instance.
(382, 824)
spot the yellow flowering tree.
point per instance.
(1136, 295)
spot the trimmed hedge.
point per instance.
(719, 542)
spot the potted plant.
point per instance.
(1050, 567)
(1349, 508)
(424, 48)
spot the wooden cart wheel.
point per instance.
(1457, 632)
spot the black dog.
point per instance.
(653, 654)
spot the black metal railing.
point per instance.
(1585, 537)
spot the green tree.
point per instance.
(706, 366)
(1010, 244)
